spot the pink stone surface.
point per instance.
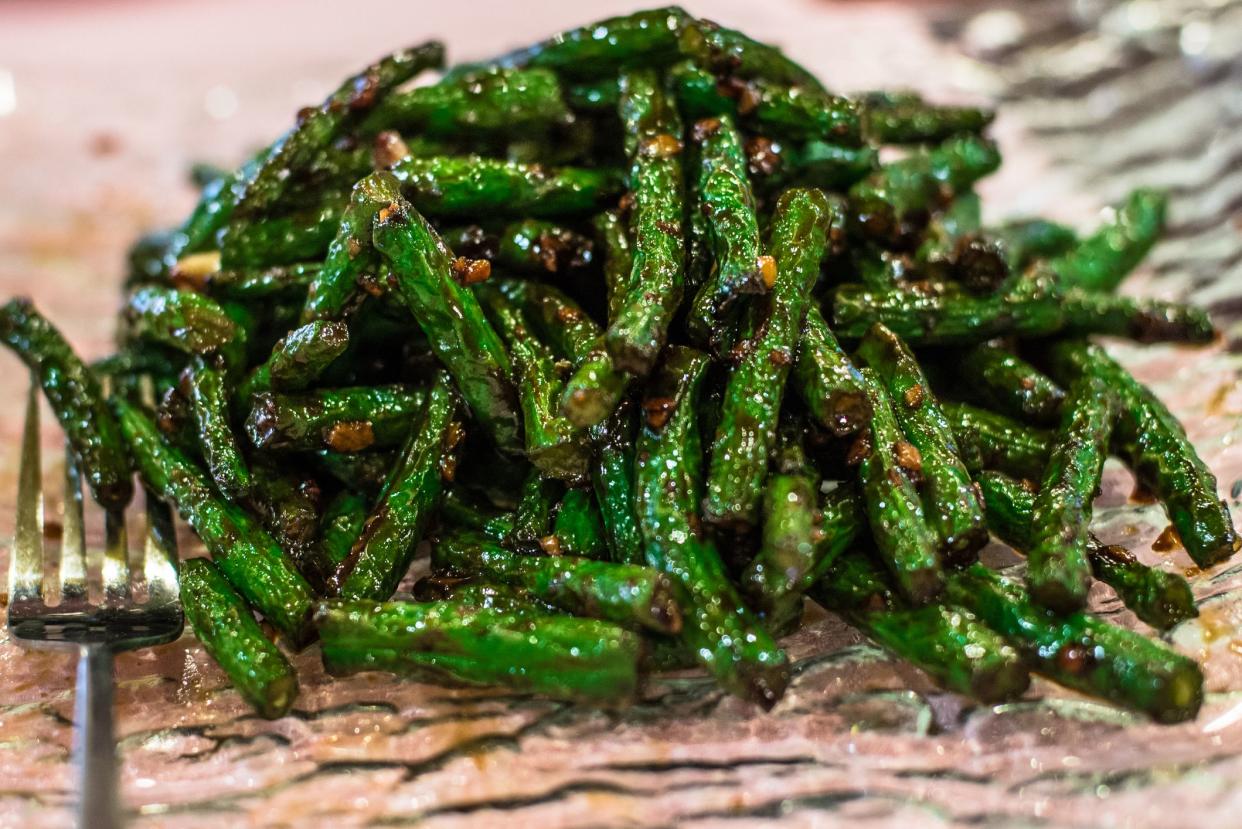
(115, 99)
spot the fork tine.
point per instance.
(115, 560)
(160, 554)
(26, 565)
(73, 544)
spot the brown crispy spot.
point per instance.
(657, 411)
(1167, 540)
(350, 436)
(780, 357)
(859, 449)
(386, 213)
(568, 314)
(1142, 495)
(1074, 658)
(551, 545)
(448, 467)
(1027, 383)
(471, 271)
(388, 149)
(305, 113)
(353, 247)
(908, 458)
(365, 91)
(763, 156)
(914, 396)
(454, 434)
(705, 128)
(660, 146)
(370, 284)
(767, 270)
(671, 228)
(626, 203)
(1116, 553)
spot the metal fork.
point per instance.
(73, 616)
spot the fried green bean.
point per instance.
(951, 504)
(653, 146)
(557, 656)
(248, 557)
(726, 638)
(342, 420)
(987, 440)
(398, 520)
(305, 233)
(317, 127)
(921, 181)
(908, 119)
(341, 525)
(450, 316)
(777, 165)
(552, 443)
(1141, 320)
(1160, 598)
(181, 320)
(745, 436)
(1081, 652)
(612, 477)
(297, 360)
(1102, 260)
(1058, 573)
(1154, 445)
(204, 383)
(827, 381)
(1026, 240)
(531, 246)
(226, 627)
(613, 236)
(578, 528)
(473, 185)
(724, 197)
(952, 645)
(998, 378)
(532, 520)
(77, 400)
(625, 594)
(886, 463)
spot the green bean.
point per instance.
(305, 233)
(204, 383)
(612, 476)
(453, 321)
(552, 443)
(318, 127)
(911, 120)
(1058, 572)
(725, 199)
(226, 627)
(248, 557)
(297, 360)
(921, 181)
(397, 522)
(77, 400)
(579, 528)
(725, 51)
(1154, 445)
(612, 235)
(626, 594)
(1141, 320)
(1081, 652)
(952, 645)
(652, 131)
(361, 472)
(1159, 598)
(335, 289)
(557, 656)
(1000, 379)
(790, 112)
(987, 440)
(726, 637)
(460, 511)
(532, 521)
(935, 314)
(903, 539)
(1026, 240)
(745, 436)
(181, 320)
(950, 501)
(250, 284)
(341, 525)
(473, 185)
(1100, 261)
(827, 381)
(776, 165)
(507, 101)
(288, 501)
(343, 420)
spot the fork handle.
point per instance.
(93, 745)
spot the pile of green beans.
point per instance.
(603, 356)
